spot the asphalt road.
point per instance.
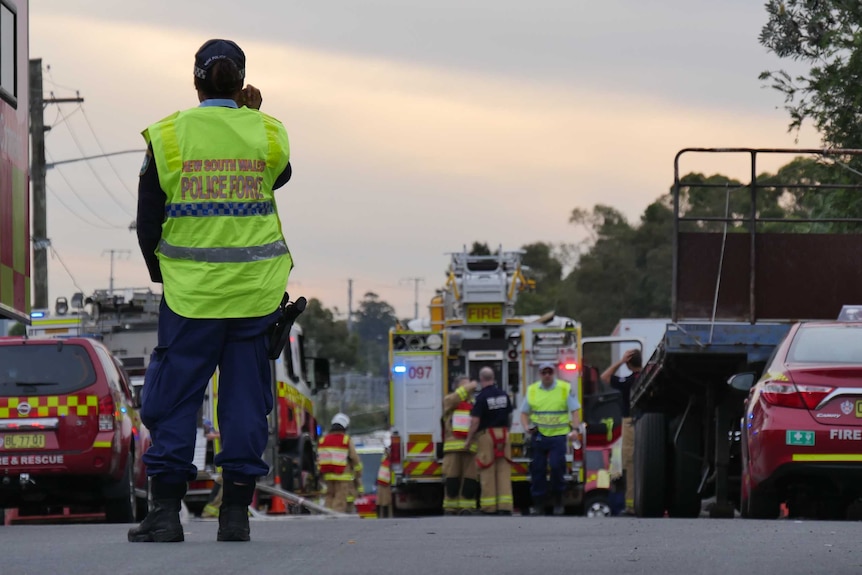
(447, 545)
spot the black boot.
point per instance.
(233, 514)
(162, 523)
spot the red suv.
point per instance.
(69, 430)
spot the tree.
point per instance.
(18, 329)
(826, 35)
(327, 337)
(480, 249)
(374, 318)
(602, 287)
(546, 269)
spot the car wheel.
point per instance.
(597, 505)
(650, 463)
(763, 504)
(121, 502)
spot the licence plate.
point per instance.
(23, 441)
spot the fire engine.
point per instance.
(126, 321)
(473, 324)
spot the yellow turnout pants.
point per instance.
(495, 470)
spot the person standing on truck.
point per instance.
(209, 232)
(632, 360)
(460, 482)
(550, 413)
(339, 464)
(490, 420)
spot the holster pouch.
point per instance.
(279, 332)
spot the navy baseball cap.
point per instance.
(214, 50)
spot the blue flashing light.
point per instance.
(123, 409)
(37, 314)
(319, 431)
(400, 369)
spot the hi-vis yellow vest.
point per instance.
(222, 252)
(549, 410)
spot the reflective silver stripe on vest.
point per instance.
(225, 255)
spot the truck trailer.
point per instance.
(739, 282)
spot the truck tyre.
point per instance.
(650, 459)
(685, 500)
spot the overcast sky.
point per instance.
(415, 128)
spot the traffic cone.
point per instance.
(276, 505)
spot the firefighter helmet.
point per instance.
(341, 419)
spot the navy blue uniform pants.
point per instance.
(188, 352)
(547, 450)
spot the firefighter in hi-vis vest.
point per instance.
(384, 487)
(210, 233)
(490, 420)
(459, 462)
(339, 463)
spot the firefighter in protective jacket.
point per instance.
(339, 464)
(459, 462)
(490, 420)
(384, 487)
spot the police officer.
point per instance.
(491, 418)
(460, 477)
(550, 413)
(209, 232)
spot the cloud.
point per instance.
(395, 164)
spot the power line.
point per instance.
(65, 267)
(57, 197)
(54, 82)
(93, 170)
(77, 195)
(102, 149)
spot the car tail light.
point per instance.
(395, 449)
(106, 413)
(795, 396)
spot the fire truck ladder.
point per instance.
(484, 279)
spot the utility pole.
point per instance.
(416, 282)
(349, 306)
(112, 252)
(38, 170)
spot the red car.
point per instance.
(70, 435)
(802, 429)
